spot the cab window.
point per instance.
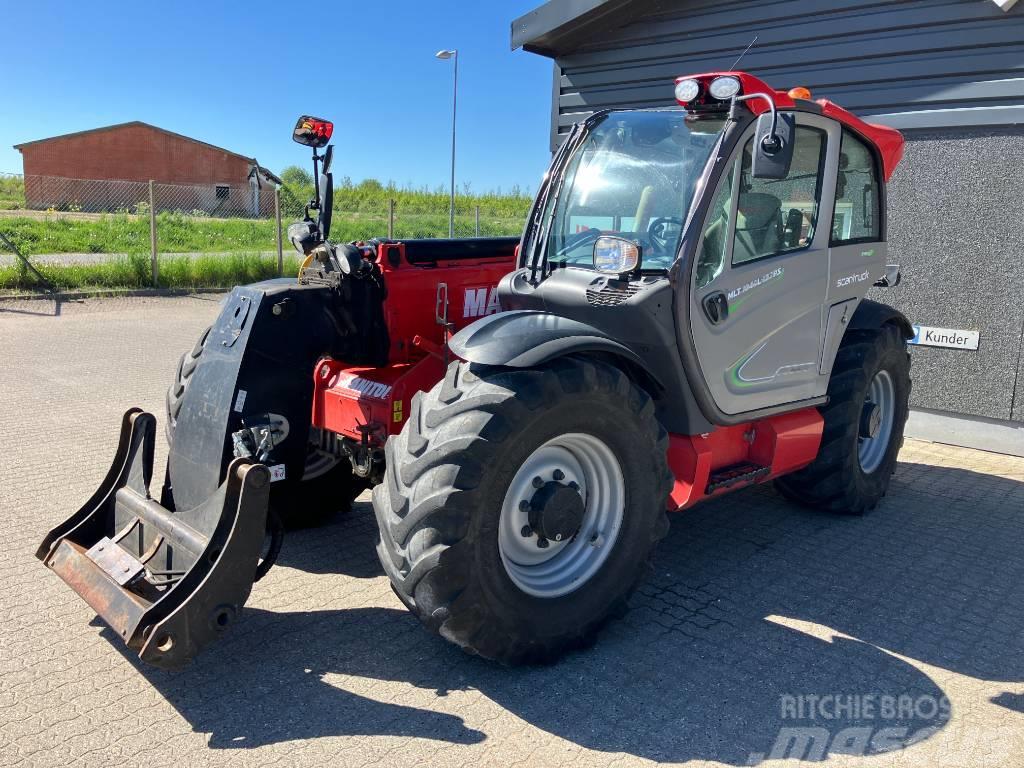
(856, 218)
(779, 215)
(714, 246)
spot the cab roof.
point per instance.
(888, 141)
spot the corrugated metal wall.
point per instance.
(920, 63)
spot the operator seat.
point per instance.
(758, 227)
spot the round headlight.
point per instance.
(687, 90)
(723, 88)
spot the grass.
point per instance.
(124, 234)
(209, 271)
(233, 251)
(12, 192)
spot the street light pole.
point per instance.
(452, 54)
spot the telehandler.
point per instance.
(683, 316)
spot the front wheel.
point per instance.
(520, 506)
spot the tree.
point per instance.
(294, 176)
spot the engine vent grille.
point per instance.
(609, 295)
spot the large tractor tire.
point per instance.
(864, 420)
(520, 506)
(327, 485)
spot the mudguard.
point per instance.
(871, 315)
(524, 338)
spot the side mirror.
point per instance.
(773, 150)
(616, 254)
(313, 131)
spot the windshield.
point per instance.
(633, 176)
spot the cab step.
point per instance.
(744, 473)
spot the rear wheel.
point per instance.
(327, 485)
(520, 507)
(864, 419)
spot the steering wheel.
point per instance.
(657, 231)
(575, 241)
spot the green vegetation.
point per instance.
(12, 193)
(212, 271)
(234, 250)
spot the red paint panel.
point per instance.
(350, 397)
(784, 443)
(411, 307)
(889, 141)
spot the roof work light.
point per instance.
(687, 90)
(723, 88)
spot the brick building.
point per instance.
(68, 171)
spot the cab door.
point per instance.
(760, 275)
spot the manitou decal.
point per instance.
(480, 301)
(373, 389)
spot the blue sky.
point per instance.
(238, 75)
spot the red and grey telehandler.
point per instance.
(683, 316)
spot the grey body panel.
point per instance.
(839, 316)
(767, 351)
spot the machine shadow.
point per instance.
(711, 658)
(48, 307)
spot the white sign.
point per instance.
(926, 336)
(277, 473)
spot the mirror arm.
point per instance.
(316, 179)
(771, 150)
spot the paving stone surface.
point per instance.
(764, 633)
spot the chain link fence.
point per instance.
(157, 233)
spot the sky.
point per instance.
(238, 75)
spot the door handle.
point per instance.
(716, 307)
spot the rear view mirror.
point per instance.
(773, 150)
(313, 131)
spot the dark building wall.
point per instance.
(876, 57)
(956, 228)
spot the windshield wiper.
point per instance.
(557, 176)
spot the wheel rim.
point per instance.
(562, 566)
(880, 403)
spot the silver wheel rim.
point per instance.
(871, 450)
(563, 566)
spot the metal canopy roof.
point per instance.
(556, 25)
